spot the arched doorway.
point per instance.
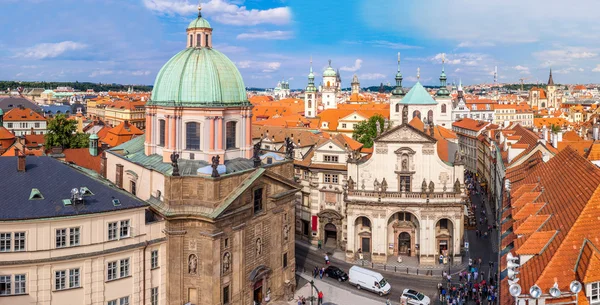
(362, 237)
(403, 234)
(444, 237)
(330, 235)
(404, 245)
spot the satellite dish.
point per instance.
(535, 292)
(515, 290)
(554, 291)
(575, 286)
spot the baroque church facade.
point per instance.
(227, 215)
(551, 97)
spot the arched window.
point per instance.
(328, 84)
(206, 41)
(161, 133)
(309, 104)
(230, 135)
(192, 136)
(443, 108)
(417, 113)
(398, 107)
(198, 40)
(430, 116)
(191, 40)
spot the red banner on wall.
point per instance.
(314, 223)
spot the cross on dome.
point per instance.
(418, 73)
(199, 10)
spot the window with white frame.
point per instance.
(61, 238)
(111, 271)
(112, 230)
(5, 239)
(19, 241)
(328, 158)
(74, 276)
(74, 237)
(154, 296)
(331, 178)
(344, 125)
(112, 302)
(124, 267)
(118, 229)
(20, 284)
(595, 293)
(60, 280)
(154, 259)
(124, 300)
(5, 285)
(124, 228)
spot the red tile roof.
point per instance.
(22, 114)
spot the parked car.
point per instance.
(370, 280)
(336, 273)
(415, 297)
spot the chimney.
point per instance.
(119, 176)
(559, 135)
(545, 133)
(595, 133)
(103, 164)
(21, 163)
(555, 140)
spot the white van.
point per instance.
(370, 280)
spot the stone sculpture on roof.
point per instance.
(174, 164)
(214, 165)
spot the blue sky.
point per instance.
(127, 41)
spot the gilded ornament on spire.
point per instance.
(418, 74)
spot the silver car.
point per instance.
(415, 297)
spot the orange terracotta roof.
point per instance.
(24, 114)
(528, 209)
(541, 122)
(588, 263)
(5, 134)
(582, 147)
(594, 153)
(470, 124)
(536, 243)
(417, 123)
(121, 134)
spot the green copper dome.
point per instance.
(418, 96)
(198, 77)
(199, 23)
(329, 72)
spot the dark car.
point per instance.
(336, 273)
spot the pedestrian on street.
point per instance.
(319, 244)
(321, 272)
(482, 275)
(449, 278)
(315, 272)
(443, 295)
(444, 274)
(320, 295)
(388, 302)
(475, 278)
(299, 300)
(326, 259)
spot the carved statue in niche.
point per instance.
(404, 163)
(192, 264)
(424, 186)
(214, 165)
(350, 184)
(384, 185)
(174, 158)
(226, 262)
(376, 185)
(457, 186)
(431, 186)
(258, 247)
(286, 230)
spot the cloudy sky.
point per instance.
(127, 41)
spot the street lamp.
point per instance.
(535, 292)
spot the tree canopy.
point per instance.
(367, 130)
(62, 132)
(83, 86)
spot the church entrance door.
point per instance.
(330, 235)
(258, 294)
(404, 244)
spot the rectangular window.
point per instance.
(405, 183)
(327, 178)
(113, 302)
(154, 296)
(124, 267)
(161, 133)
(74, 236)
(111, 273)
(20, 284)
(230, 135)
(305, 175)
(112, 230)
(192, 136)
(132, 187)
(61, 238)
(285, 262)
(331, 178)
(124, 300)
(74, 278)
(594, 293)
(343, 125)
(124, 228)
(19, 241)
(333, 159)
(60, 280)
(226, 295)
(37, 125)
(258, 193)
(5, 284)
(154, 259)
(5, 242)
(9, 125)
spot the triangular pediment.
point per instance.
(405, 133)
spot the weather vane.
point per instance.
(443, 57)
(418, 73)
(199, 9)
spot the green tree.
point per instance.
(62, 132)
(555, 128)
(367, 130)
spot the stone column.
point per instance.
(219, 121)
(249, 129)
(172, 137)
(167, 133)
(211, 136)
(350, 247)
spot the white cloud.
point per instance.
(140, 73)
(229, 48)
(266, 67)
(457, 70)
(522, 69)
(371, 76)
(270, 35)
(101, 72)
(467, 59)
(356, 67)
(383, 44)
(568, 70)
(471, 44)
(563, 56)
(414, 79)
(597, 69)
(50, 50)
(223, 12)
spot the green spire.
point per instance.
(311, 79)
(443, 91)
(398, 89)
